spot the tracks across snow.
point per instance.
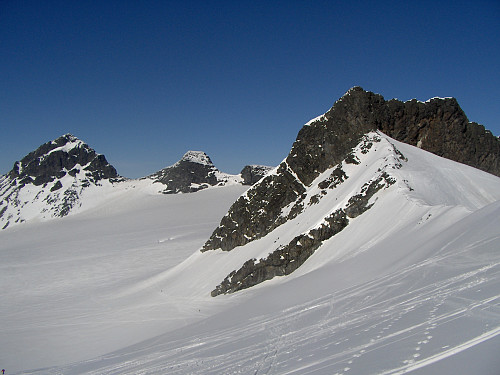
(390, 325)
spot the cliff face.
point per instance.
(438, 126)
(441, 127)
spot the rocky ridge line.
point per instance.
(286, 259)
(439, 126)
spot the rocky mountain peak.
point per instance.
(251, 174)
(438, 125)
(54, 177)
(327, 151)
(64, 155)
(193, 172)
(196, 157)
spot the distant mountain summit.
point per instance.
(342, 161)
(65, 155)
(49, 181)
(65, 176)
(195, 171)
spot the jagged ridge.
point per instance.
(287, 258)
(438, 126)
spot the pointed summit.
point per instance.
(324, 155)
(193, 172)
(196, 157)
(64, 155)
(58, 171)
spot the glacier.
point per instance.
(411, 285)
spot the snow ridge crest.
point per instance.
(342, 193)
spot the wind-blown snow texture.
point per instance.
(412, 283)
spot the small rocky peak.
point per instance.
(251, 174)
(198, 157)
(194, 171)
(64, 155)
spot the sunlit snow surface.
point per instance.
(413, 284)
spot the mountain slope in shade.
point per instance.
(50, 181)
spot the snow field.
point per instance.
(71, 280)
(412, 283)
(323, 323)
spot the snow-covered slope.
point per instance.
(410, 283)
(67, 286)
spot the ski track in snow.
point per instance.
(388, 326)
(411, 283)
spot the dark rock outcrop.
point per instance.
(59, 171)
(258, 212)
(438, 126)
(286, 259)
(195, 171)
(441, 127)
(252, 174)
(54, 159)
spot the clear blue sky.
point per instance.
(144, 81)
